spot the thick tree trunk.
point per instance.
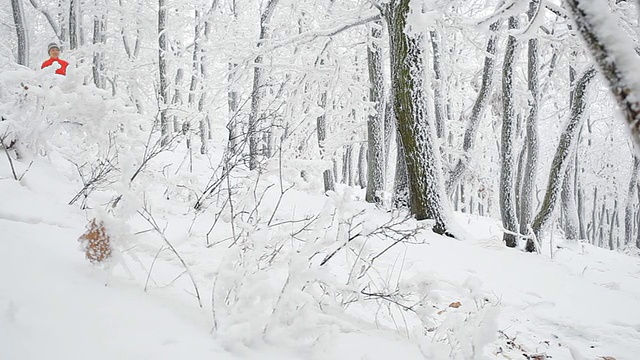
(21, 32)
(375, 124)
(507, 193)
(531, 140)
(417, 133)
(562, 156)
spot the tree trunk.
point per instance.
(177, 98)
(569, 206)
(321, 128)
(612, 224)
(205, 121)
(162, 69)
(628, 213)
(63, 19)
(195, 59)
(594, 216)
(401, 196)
(375, 125)
(362, 167)
(73, 24)
(520, 165)
(476, 112)
(348, 160)
(422, 156)
(438, 102)
(232, 95)
(389, 133)
(601, 222)
(562, 156)
(638, 223)
(21, 32)
(99, 38)
(531, 140)
(582, 224)
(507, 193)
(256, 92)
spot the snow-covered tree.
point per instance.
(21, 32)
(416, 129)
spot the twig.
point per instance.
(13, 169)
(145, 214)
(151, 267)
(26, 171)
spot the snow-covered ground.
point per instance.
(582, 304)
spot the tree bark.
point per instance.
(438, 102)
(401, 196)
(507, 192)
(321, 128)
(73, 24)
(422, 156)
(375, 125)
(99, 38)
(569, 206)
(531, 140)
(162, 70)
(362, 167)
(21, 32)
(628, 213)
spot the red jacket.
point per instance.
(63, 65)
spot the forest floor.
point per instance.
(581, 304)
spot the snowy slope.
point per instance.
(54, 305)
(582, 304)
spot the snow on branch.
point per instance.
(314, 34)
(50, 19)
(614, 53)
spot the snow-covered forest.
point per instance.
(320, 179)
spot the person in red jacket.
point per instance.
(54, 51)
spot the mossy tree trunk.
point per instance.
(416, 130)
